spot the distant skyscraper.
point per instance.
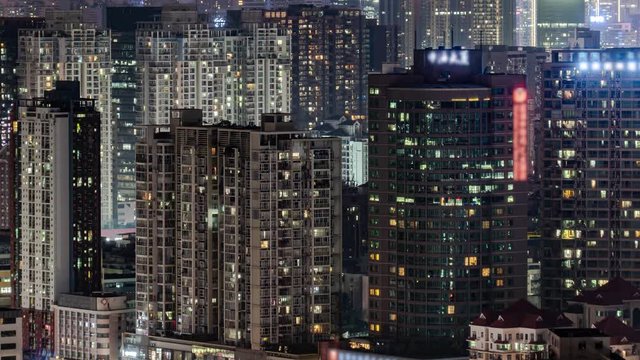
(122, 21)
(525, 23)
(71, 50)
(556, 21)
(257, 251)
(493, 22)
(590, 212)
(329, 48)
(233, 75)
(58, 207)
(447, 220)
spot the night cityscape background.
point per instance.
(319, 179)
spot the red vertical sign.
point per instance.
(520, 136)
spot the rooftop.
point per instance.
(522, 314)
(578, 332)
(615, 292)
(620, 332)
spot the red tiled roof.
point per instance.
(620, 332)
(522, 314)
(612, 293)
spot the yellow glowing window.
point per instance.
(317, 328)
(486, 224)
(378, 327)
(377, 292)
(499, 283)
(470, 261)
(568, 193)
(568, 234)
(636, 214)
(401, 271)
(486, 272)
(626, 204)
(393, 317)
(264, 244)
(372, 327)
(393, 222)
(499, 271)
(451, 309)
(372, 292)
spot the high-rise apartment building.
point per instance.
(231, 74)
(329, 47)
(447, 220)
(250, 232)
(590, 212)
(8, 63)
(57, 206)
(122, 21)
(72, 50)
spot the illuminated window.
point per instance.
(392, 222)
(568, 234)
(486, 272)
(401, 271)
(451, 309)
(499, 283)
(486, 224)
(568, 193)
(316, 329)
(470, 261)
(626, 204)
(264, 244)
(393, 317)
(499, 271)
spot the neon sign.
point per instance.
(520, 134)
(449, 57)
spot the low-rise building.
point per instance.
(623, 340)
(136, 347)
(518, 332)
(90, 327)
(10, 334)
(617, 298)
(569, 344)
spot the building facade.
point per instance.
(441, 182)
(521, 331)
(11, 330)
(58, 207)
(122, 21)
(70, 50)
(329, 47)
(257, 231)
(8, 63)
(90, 327)
(557, 20)
(589, 214)
(232, 74)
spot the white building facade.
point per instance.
(232, 75)
(68, 49)
(90, 327)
